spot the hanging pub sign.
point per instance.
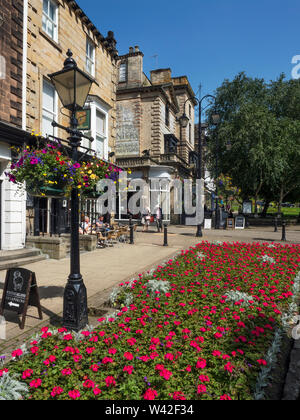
(84, 119)
(240, 222)
(20, 291)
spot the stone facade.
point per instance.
(47, 55)
(149, 139)
(11, 53)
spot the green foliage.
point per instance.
(11, 389)
(261, 123)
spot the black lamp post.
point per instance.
(184, 120)
(73, 87)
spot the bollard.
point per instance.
(166, 235)
(131, 232)
(276, 225)
(283, 231)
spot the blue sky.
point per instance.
(207, 40)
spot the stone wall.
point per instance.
(11, 56)
(47, 56)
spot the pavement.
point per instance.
(104, 269)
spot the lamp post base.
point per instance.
(199, 233)
(75, 316)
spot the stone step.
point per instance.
(21, 262)
(17, 254)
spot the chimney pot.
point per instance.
(131, 50)
(137, 48)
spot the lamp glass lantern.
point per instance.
(216, 118)
(72, 85)
(184, 120)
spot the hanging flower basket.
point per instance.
(48, 172)
(91, 193)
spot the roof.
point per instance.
(109, 42)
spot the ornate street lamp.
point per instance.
(73, 87)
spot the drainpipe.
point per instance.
(24, 75)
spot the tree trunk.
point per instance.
(266, 208)
(280, 201)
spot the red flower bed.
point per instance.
(192, 342)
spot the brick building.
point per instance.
(150, 140)
(12, 121)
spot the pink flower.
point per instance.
(56, 391)
(66, 372)
(3, 371)
(36, 383)
(74, 395)
(166, 374)
(128, 356)
(262, 362)
(88, 384)
(201, 364)
(17, 353)
(178, 395)
(95, 368)
(225, 398)
(97, 391)
(68, 337)
(90, 350)
(203, 378)
(150, 394)
(26, 374)
(128, 369)
(201, 389)
(229, 367)
(110, 381)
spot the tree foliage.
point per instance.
(258, 138)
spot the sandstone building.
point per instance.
(150, 140)
(34, 38)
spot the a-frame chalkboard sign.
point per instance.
(20, 291)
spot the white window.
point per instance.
(50, 19)
(123, 73)
(100, 134)
(90, 58)
(49, 109)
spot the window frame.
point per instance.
(49, 19)
(88, 59)
(46, 112)
(123, 80)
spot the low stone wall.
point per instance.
(58, 248)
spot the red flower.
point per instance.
(150, 394)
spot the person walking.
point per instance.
(146, 219)
(159, 218)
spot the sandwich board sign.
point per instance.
(20, 291)
(240, 222)
(207, 224)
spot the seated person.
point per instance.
(85, 226)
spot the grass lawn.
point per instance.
(206, 325)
